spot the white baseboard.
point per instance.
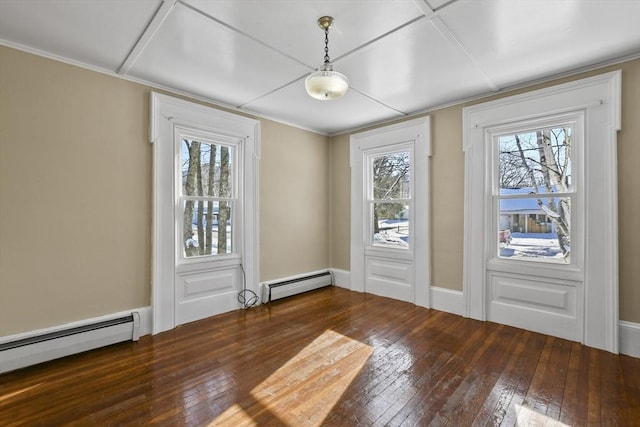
(629, 338)
(448, 300)
(341, 278)
(146, 320)
(441, 299)
(16, 355)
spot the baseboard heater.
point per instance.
(30, 350)
(295, 285)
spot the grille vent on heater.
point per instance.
(41, 347)
(295, 285)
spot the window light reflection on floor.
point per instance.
(529, 417)
(304, 390)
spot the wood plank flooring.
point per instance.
(334, 358)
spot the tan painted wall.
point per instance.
(294, 201)
(447, 189)
(76, 195)
(340, 182)
(629, 194)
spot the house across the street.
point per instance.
(524, 215)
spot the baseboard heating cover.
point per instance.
(294, 285)
(41, 347)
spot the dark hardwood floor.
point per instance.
(336, 358)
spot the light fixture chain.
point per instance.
(326, 46)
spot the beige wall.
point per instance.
(294, 201)
(447, 168)
(76, 195)
(629, 193)
(340, 182)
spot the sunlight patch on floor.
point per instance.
(7, 396)
(304, 390)
(235, 416)
(529, 417)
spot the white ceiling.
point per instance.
(401, 56)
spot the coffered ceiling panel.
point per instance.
(517, 41)
(99, 32)
(195, 54)
(401, 56)
(430, 66)
(291, 26)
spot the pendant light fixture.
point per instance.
(326, 84)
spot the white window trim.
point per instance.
(599, 98)
(420, 131)
(166, 113)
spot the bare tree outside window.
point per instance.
(535, 188)
(207, 197)
(391, 188)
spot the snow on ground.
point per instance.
(532, 245)
(391, 239)
(394, 233)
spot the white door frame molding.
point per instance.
(599, 99)
(417, 131)
(166, 113)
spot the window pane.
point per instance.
(207, 169)
(391, 225)
(535, 229)
(535, 162)
(206, 227)
(391, 176)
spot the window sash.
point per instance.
(372, 234)
(232, 199)
(572, 193)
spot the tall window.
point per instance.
(534, 193)
(390, 199)
(207, 197)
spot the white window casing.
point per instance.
(593, 270)
(168, 115)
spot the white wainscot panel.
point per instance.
(550, 306)
(390, 278)
(210, 283)
(395, 271)
(554, 297)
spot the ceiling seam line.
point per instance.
(430, 12)
(444, 5)
(379, 102)
(271, 91)
(147, 34)
(224, 24)
(448, 34)
(362, 46)
(424, 7)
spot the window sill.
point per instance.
(537, 269)
(207, 263)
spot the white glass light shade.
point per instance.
(326, 84)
